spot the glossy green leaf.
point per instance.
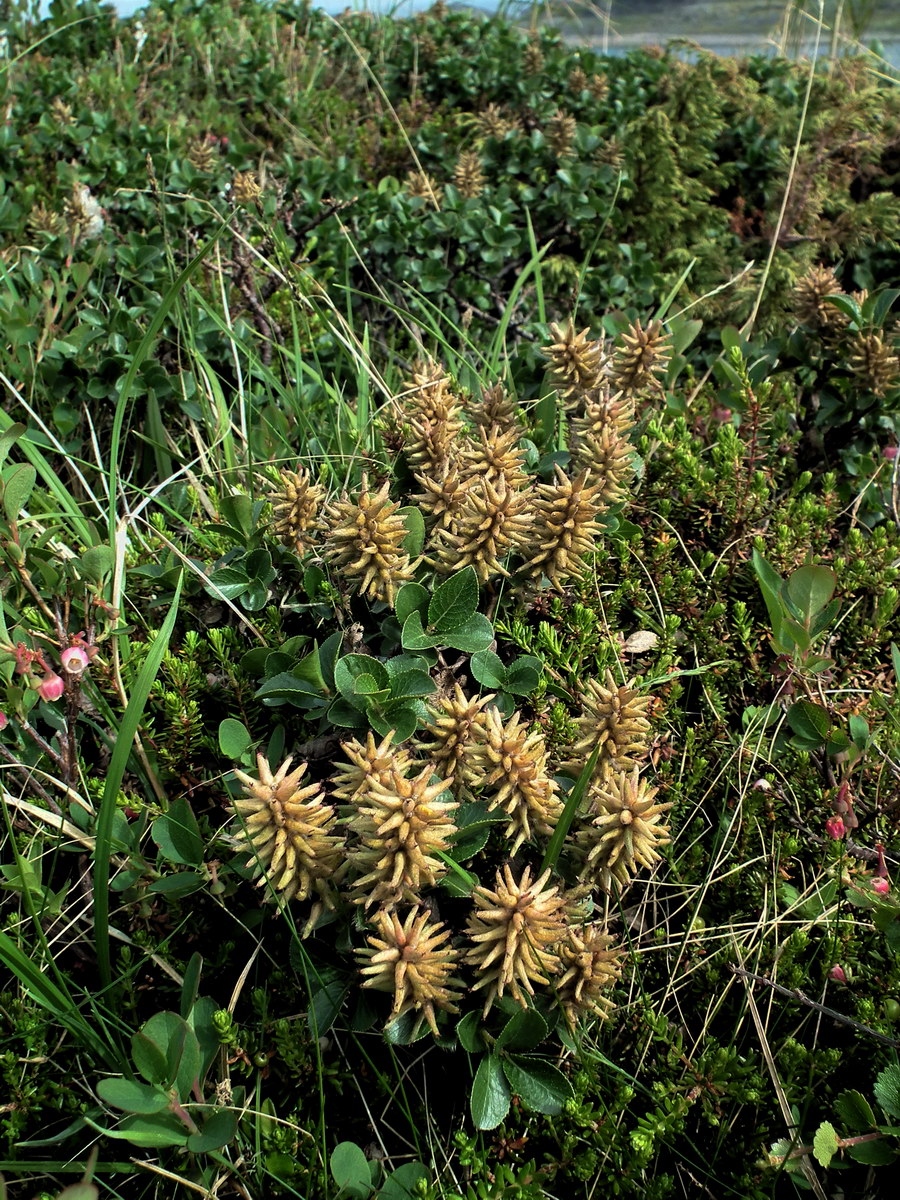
(468, 842)
(809, 590)
(412, 683)
(810, 723)
(490, 1098)
(350, 1170)
(153, 1131)
(412, 597)
(217, 1131)
(488, 669)
(150, 1059)
(9, 438)
(234, 737)
(887, 1090)
(469, 1031)
(539, 1085)
(132, 1096)
(182, 883)
(328, 990)
(402, 721)
(286, 685)
(404, 1183)
(473, 635)
(351, 666)
(859, 732)
(97, 563)
(872, 1154)
(414, 637)
(406, 1029)
(523, 1031)
(523, 675)
(454, 602)
(228, 582)
(177, 834)
(848, 306)
(18, 484)
(367, 685)
(347, 715)
(309, 669)
(200, 1020)
(770, 584)
(313, 578)
(177, 1041)
(855, 1111)
(237, 509)
(415, 524)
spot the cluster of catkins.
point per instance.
(871, 356)
(481, 507)
(379, 832)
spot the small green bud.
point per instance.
(223, 1026)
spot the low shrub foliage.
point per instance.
(449, 718)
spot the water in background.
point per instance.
(729, 43)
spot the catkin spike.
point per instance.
(402, 825)
(468, 177)
(810, 300)
(413, 960)
(874, 363)
(576, 361)
(643, 354)
(490, 524)
(289, 830)
(591, 965)
(625, 833)
(456, 726)
(364, 542)
(495, 456)
(497, 408)
(516, 929)
(432, 418)
(367, 764)
(513, 763)
(615, 718)
(565, 528)
(296, 509)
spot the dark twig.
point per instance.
(796, 994)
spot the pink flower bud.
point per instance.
(75, 660)
(4, 721)
(838, 974)
(835, 828)
(51, 687)
(889, 452)
(881, 886)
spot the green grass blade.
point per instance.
(50, 996)
(533, 266)
(573, 803)
(127, 730)
(146, 344)
(50, 478)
